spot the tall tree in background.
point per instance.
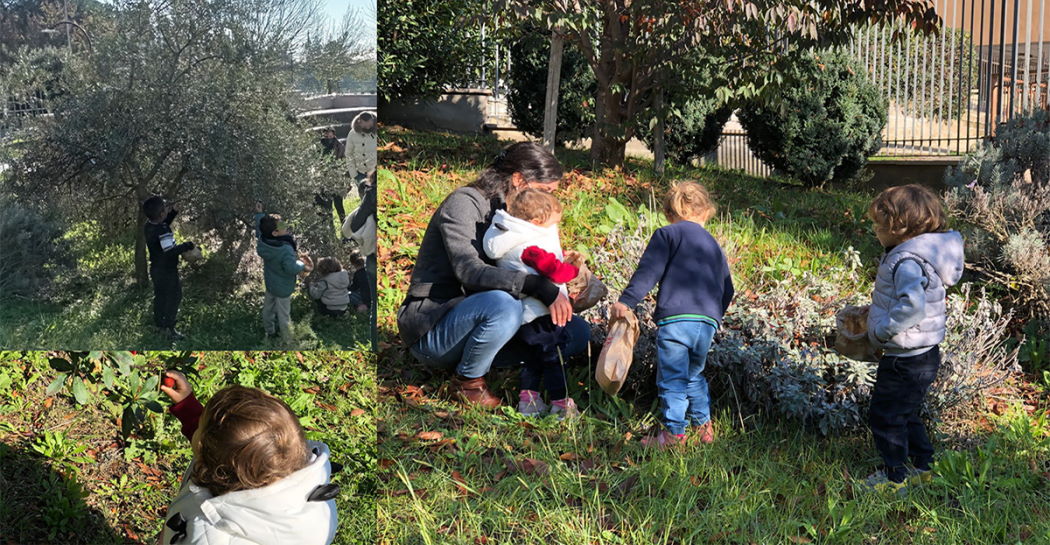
(190, 99)
(638, 47)
(345, 51)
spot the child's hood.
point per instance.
(338, 280)
(507, 232)
(270, 247)
(357, 118)
(278, 513)
(944, 251)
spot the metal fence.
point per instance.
(16, 113)
(950, 91)
(734, 153)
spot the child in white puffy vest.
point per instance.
(907, 320)
(525, 237)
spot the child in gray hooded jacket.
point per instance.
(907, 320)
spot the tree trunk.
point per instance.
(607, 141)
(659, 145)
(141, 265)
(550, 105)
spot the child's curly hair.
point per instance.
(247, 439)
(533, 205)
(328, 265)
(906, 211)
(689, 200)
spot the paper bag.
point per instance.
(617, 353)
(585, 290)
(851, 337)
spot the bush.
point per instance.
(1002, 194)
(34, 251)
(528, 75)
(773, 353)
(693, 132)
(822, 129)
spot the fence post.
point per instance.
(550, 108)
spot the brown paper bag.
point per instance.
(617, 353)
(851, 337)
(585, 290)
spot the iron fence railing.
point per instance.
(734, 153)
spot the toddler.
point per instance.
(332, 290)
(524, 237)
(164, 263)
(281, 265)
(695, 291)
(907, 320)
(254, 477)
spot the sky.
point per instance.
(334, 9)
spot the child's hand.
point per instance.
(617, 311)
(574, 257)
(175, 385)
(258, 207)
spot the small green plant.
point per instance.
(62, 451)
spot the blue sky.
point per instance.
(335, 9)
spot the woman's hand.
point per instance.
(618, 310)
(175, 385)
(561, 310)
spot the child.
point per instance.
(524, 237)
(907, 320)
(254, 477)
(278, 250)
(362, 283)
(361, 147)
(164, 264)
(695, 291)
(332, 290)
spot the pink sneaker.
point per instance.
(530, 403)
(663, 440)
(564, 408)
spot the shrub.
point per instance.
(822, 129)
(693, 131)
(34, 251)
(773, 353)
(1002, 194)
(528, 75)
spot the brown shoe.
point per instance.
(472, 391)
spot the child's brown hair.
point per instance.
(247, 439)
(328, 265)
(356, 260)
(906, 211)
(689, 200)
(533, 205)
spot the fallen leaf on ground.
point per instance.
(429, 435)
(357, 412)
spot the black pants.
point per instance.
(900, 388)
(328, 200)
(167, 294)
(543, 339)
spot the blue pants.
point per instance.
(896, 402)
(681, 353)
(474, 333)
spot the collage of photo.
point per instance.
(480, 272)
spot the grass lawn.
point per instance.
(100, 307)
(453, 475)
(67, 475)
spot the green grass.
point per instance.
(68, 476)
(452, 475)
(100, 307)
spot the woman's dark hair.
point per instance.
(532, 160)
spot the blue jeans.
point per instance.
(895, 411)
(473, 334)
(681, 353)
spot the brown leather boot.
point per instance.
(472, 391)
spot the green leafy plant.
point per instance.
(61, 450)
(823, 129)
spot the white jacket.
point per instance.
(277, 514)
(505, 240)
(360, 150)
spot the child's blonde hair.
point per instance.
(533, 205)
(247, 439)
(906, 211)
(689, 200)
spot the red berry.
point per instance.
(169, 382)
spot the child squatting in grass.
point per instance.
(254, 477)
(907, 320)
(524, 237)
(695, 291)
(334, 291)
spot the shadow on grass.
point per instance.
(41, 505)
